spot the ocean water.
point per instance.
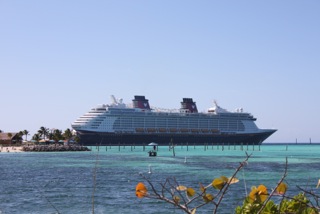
(63, 182)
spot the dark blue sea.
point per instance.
(63, 182)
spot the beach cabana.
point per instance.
(10, 138)
(154, 151)
(154, 145)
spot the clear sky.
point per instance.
(60, 58)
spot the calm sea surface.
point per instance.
(63, 182)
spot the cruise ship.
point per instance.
(139, 124)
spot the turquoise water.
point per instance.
(63, 182)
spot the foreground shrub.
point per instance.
(259, 200)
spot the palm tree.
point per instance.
(43, 132)
(57, 135)
(50, 135)
(77, 139)
(26, 133)
(36, 137)
(67, 134)
(19, 137)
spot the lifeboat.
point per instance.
(151, 130)
(139, 129)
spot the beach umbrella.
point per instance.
(153, 144)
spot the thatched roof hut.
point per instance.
(9, 138)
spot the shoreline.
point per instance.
(43, 148)
(14, 149)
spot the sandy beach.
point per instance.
(11, 149)
(43, 148)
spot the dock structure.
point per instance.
(185, 146)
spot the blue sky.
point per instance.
(60, 58)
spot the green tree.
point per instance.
(67, 134)
(43, 132)
(26, 133)
(36, 137)
(19, 137)
(77, 139)
(57, 135)
(50, 135)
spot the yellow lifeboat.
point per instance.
(139, 129)
(151, 130)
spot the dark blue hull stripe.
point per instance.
(104, 139)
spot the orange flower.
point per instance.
(141, 190)
(259, 194)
